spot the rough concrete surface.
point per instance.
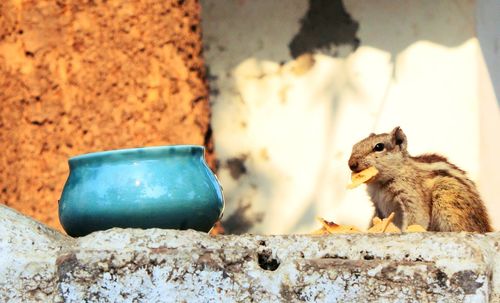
(118, 265)
(85, 76)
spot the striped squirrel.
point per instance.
(425, 190)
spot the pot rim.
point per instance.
(146, 152)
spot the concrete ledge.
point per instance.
(155, 265)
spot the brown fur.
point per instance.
(425, 190)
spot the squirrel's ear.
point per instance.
(398, 138)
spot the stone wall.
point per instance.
(132, 265)
(85, 76)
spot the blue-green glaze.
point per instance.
(162, 187)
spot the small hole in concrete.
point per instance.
(368, 257)
(267, 262)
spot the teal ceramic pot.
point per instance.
(152, 187)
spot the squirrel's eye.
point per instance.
(378, 147)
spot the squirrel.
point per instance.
(426, 190)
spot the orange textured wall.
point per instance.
(84, 76)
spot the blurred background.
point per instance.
(277, 90)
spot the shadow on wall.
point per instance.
(489, 38)
(290, 95)
(325, 26)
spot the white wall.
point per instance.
(292, 123)
(488, 35)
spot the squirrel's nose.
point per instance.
(353, 164)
